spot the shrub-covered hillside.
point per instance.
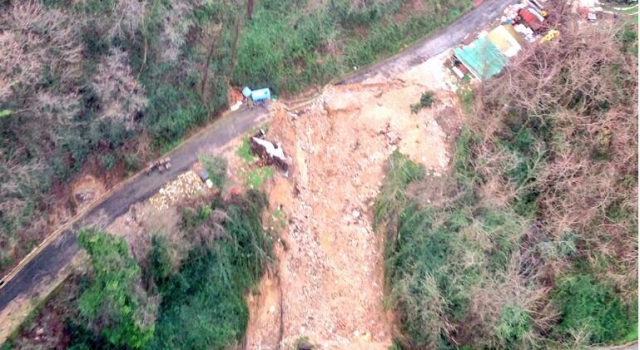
(103, 85)
(532, 241)
(172, 289)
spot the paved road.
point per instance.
(441, 41)
(49, 260)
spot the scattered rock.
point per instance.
(184, 186)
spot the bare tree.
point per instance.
(121, 96)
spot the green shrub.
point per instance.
(591, 306)
(203, 304)
(217, 169)
(159, 261)
(114, 302)
(108, 161)
(426, 100)
(401, 171)
(513, 327)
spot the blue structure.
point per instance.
(246, 91)
(262, 94)
(257, 95)
(482, 58)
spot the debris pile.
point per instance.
(184, 186)
(524, 23)
(268, 152)
(331, 268)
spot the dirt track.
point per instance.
(47, 261)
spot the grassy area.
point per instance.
(244, 151)
(256, 177)
(533, 244)
(216, 167)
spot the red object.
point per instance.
(529, 19)
(584, 11)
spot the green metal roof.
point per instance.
(482, 58)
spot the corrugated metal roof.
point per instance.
(506, 39)
(482, 58)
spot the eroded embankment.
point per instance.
(328, 288)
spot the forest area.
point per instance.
(102, 86)
(530, 242)
(181, 289)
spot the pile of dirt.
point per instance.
(331, 263)
(85, 190)
(184, 186)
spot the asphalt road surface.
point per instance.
(437, 43)
(52, 258)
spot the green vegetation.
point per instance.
(244, 151)
(217, 169)
(328, 39)
(593, 307)
(256, 177)
(95, 84)
(203, 304)
(531, 242)
(197, 303)
(426, 100)
(113, 298)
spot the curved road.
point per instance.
(44, 264)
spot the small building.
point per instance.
(257, 95)
(482, 58)
(261, 94)
(506, 39)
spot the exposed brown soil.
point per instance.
(330, 261)
(85, 190)
(47, 330)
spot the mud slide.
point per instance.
(328, 290)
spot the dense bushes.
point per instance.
(592, 307)
(203, 304)
(530, 243)
(202, 296)
(114, 302)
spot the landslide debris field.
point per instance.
(338, 252)
(328, 287)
